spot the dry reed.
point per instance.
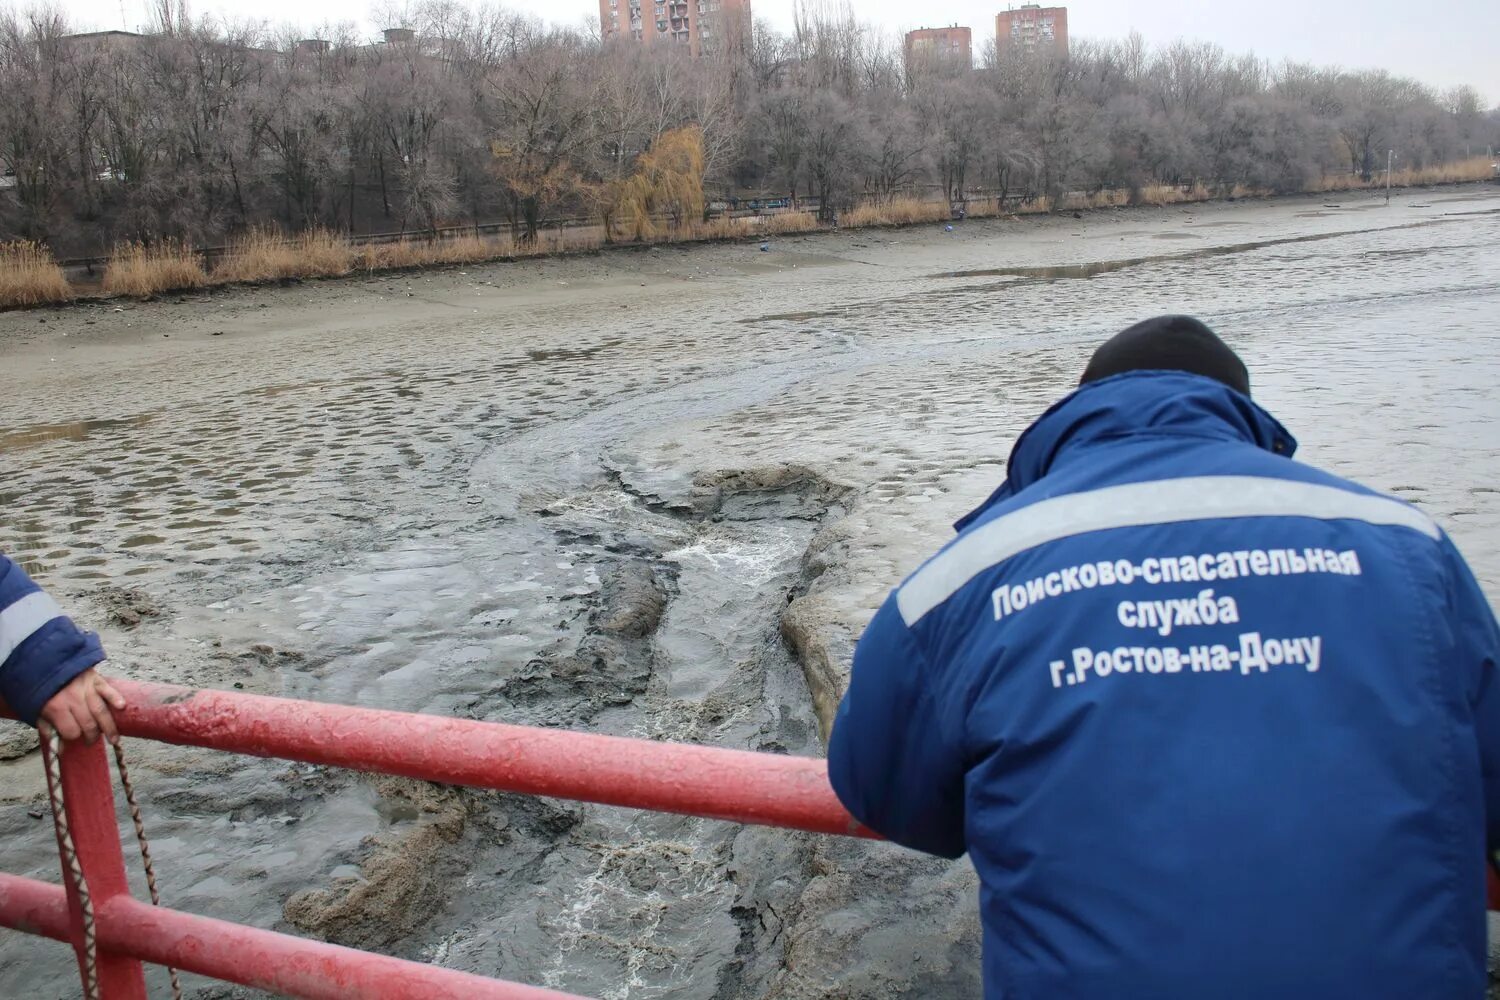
(30, 277)
(569, 241)
(1161, 195)
(473, 249)
(987, 209)
(265, 255)
(786, 223)
(429, 253)
(1476, 168)
(903, 211)
(142, 270)
(468, 249)
(721, 228)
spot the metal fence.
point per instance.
(113, 933)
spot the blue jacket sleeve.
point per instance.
(893, 763)
(1478, 639)
(41, 650)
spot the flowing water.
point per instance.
(654, 493)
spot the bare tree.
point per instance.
(959, 116)
(34, 151)
(898, 150)
(783, 114)
(836, 150)
(200, 128)
(542, 117)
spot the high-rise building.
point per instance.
(939, 50)
(1032, 28)
(695, 24)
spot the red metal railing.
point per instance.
(766, 789)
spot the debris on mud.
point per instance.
(633, 603)
(206, 792)
(265, 655)
(16, 741)
(411, 877)
(262, 668)
(753, 493)
(804, 629)
(811, 628)
(400, 884)
(124, 607)
(611, 664)
(878, 921)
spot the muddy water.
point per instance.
(656, 494)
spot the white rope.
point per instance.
(53, 759)
(140, 838)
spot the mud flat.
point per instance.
(654, 493)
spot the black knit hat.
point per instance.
(1170, 343)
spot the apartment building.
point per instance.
(939, 50)
(1032, 28)
(697, 25)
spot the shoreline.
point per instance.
(635, 280)
(356, 272)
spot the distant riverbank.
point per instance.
(29, 277)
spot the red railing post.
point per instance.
(712, 782)
(89, 803)
(280, 964)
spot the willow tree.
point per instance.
(668, 181)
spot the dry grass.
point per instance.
(265, 255)
(429, 253)
(323, 254)
(896, 212)
(553, 241)
(721, 228)
(1087, 202)
(30, 277)
(392, 256)
(1475, 168)
(469, 249)
(566, 241)
(785, 223)
(473, 249)
(1161, 195)
(1338, 182)
(987, 209)
(142, 270)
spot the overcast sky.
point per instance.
(1442, 44)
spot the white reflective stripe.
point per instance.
(21, 620)
(1163, 501)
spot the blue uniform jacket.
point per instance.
(1209, 722)
(41, 650)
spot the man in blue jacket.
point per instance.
(1209, 722)
(47, 663)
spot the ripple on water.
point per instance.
(21, 438)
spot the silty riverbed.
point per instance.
(652, 493)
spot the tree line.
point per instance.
(203, 128)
